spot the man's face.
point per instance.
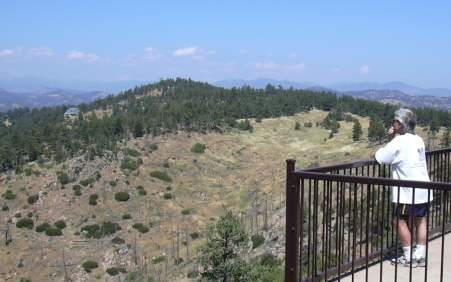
(397, 126)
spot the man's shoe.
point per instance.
(402, 260)
(421, 262)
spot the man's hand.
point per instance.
(391, 131)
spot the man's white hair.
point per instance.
(407, 119)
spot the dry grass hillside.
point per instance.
(240, 170)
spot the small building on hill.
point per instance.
(71, 113)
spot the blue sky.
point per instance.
(303, 41)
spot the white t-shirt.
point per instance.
(407, 156)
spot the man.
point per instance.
(406, 153)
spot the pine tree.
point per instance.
(376, 130)
(220, 254)
(446, 139)
(356, 130)
(138, 130)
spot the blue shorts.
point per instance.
(406, 210)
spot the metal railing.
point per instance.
(339, 219)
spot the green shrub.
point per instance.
(117, 241)
(89, 265)
(133, 152)
(33, 199)
(141, 191)
(25, 223)
(88, 181)
(93, 199)
(161, 175)
(186, 211)
(52, 231)
(63, 178)
(198, 148)
(245, 125)
(153, 147)
(269, 259)
(18, 215)
(297, 126)
(126, 216)
(129, 164)
(42, 227)
(158, 259)
(95, 231)
(25, 279)
(113, 271)
(141, 227)
(77, 193)
(60, 224)
(5, 208)
(109, 228)
(308, 124)
(257, 240)
(194, 235)
(30, 214)
(167, 196)
(92, 231)
(9, 195)
(121, 196)
(113, 183)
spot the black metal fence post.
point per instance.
(292, 225)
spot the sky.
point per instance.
(304, 41)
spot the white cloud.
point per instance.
(335, 69)
(7, 53)
(78, 55)
(189, 51)
(299, 66)
(41, 52)
(151, 54)
(364, 69)
(275, 66)
(266, 66)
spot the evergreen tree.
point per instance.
(376, 130)
(138, 130)
(446, 138)
(220, 254)
(356, 130)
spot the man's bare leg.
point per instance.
(420, 250)
(404, 232)
(421, 230)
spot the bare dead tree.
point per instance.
(135, 251)
(8, 237)
(256, 221)
(178, 247)
(187, 247)
(265, 225)
(64, 265)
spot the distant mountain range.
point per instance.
(398, 93)
(338, 87)
(34, 84)
(46, 97)
(34, 93)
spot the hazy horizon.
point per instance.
(321, 43)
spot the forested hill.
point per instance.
(167, 106)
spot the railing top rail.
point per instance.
(361, 163)
(373, 180)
